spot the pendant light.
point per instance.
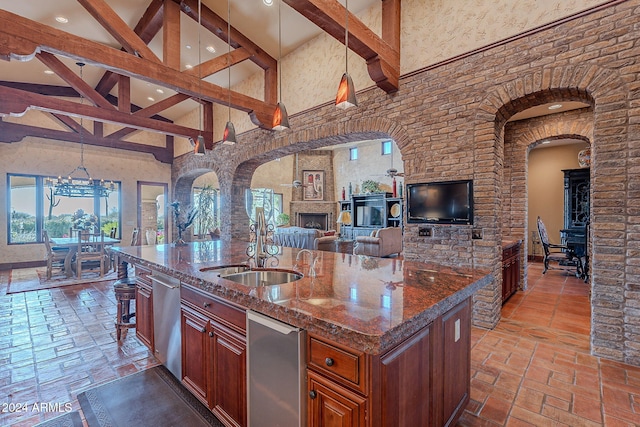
(199, 148)
(280, 117)
(346, 96)
(229, 136)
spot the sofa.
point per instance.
(299, 237)
(381, 243)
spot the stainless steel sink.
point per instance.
(226, 269)
(257, 278)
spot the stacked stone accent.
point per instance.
(449, 122)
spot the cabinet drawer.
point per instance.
(223, 311)
(142, 275)
(337, 361)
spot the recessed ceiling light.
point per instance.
(159, 90)
(555, 106)
(61, 19)
(188, 66)
(48, 72)
(150, 98)
(268, 2)
(211, 49)
(188, 46)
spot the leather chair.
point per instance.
(381, 243)
(325, 243)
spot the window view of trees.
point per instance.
(34, 207)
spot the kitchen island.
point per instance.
(387, 343)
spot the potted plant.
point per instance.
(282, 219)
(370, 186)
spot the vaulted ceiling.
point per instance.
(130, 44)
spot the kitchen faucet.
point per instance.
(312, 264)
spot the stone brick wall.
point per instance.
(449, 123)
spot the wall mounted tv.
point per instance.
(449, 202)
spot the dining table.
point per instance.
(72, 244)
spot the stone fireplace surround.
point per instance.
(319, 208)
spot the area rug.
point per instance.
(149, 398)
(35, 279)
(71, 419)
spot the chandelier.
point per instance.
(83, 186)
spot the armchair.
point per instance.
(381, 243)
(562, 254)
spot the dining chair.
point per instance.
(562, 254)
(55, 256)
(90, 253)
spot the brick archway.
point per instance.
(607, 93)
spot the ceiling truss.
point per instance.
(23, 39)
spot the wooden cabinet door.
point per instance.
(195, 366)
(144, 314)
(456, 361)
(229, 374)
(330, 405)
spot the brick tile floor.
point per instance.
(533, 369)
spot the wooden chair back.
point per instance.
(55, 258)
(90, 252)
(114, 232)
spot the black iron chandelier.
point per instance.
(84, 186)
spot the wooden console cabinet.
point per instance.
(423, 381)
(214, 354)
(510, 269)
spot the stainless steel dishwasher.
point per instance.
(166, 322)
(275, 373)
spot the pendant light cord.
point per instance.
(346, 36)
(279, 51)
(229, 55)
(200, 62)
(81, 65)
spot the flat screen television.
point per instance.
(449, 202)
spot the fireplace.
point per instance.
(313, 220)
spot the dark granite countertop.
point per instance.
(369, 304)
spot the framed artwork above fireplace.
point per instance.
(313, 185)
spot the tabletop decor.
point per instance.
(81, 220)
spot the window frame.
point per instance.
(40, 215)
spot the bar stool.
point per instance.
(125, 292)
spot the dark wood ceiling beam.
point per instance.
(16, 102)
(18, 32)
(382, 54)
(49, 90)
(73, 79)
(147, 28)
(124, 94)
(13, 132)
(171, 35)
(119, 29)
(219, 63)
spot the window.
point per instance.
(386, 148)
(33, 207)
(353, 153)
(263, 198)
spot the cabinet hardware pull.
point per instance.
(211, 334)
(207, 304)
(313, 394)
(329, 361)
(203, 330)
